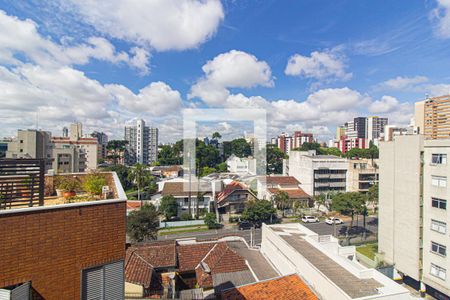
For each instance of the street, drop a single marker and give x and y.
(322, 228)
(216, 233)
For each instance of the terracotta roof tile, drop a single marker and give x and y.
(189, 256)
(137, 270)
(283, 288)
(177, 189)
(230, 188)
(282, 180)
(293, 193)
(158, 254)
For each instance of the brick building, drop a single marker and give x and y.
(65, 251)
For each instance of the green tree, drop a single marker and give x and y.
(216, 136)
(330, 151)
(168, 206)
(372, 195)
(116, 147)
(282, 201)
(320, 200)
(274, 159)
(349, 204)
(141, 177)
(142, 224)
(222, 167)
(259, 211)
(205, 171)
(123, 172)
(210, 220)
(310, 146)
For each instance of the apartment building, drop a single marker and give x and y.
(413, 215)
(52, 249)
(346, 144)
(87, 148)
(375, 128)
(432, 117)
(286, 142)
(102, 139)
(31, 143)
(317, 173)
(361, 175)
(142, 143)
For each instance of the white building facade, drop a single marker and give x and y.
(142, 143)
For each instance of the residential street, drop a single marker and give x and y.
(321, 228)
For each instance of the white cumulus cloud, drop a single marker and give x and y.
(159, 24)
(233, 69)
(441, 14)
(326, 65)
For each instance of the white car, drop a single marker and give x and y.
(310, 219)
(330, 221)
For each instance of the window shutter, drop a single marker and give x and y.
(22, 292)
(93, 284)
(114, 281)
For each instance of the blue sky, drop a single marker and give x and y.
(311, 64)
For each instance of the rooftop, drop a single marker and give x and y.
(282, 180)
(292, 193)
(23, 185)
(325, 265)
(282, 288)
(157, 254)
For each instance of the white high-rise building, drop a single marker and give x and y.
(142, 143)
(413, 215)
(375, 127)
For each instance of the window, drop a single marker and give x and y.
(438, 249)
(437, 271)
(439, 203)
(438, 226)
(104, 282)
(439, 181)
(439, 159)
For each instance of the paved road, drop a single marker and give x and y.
(322, 228)
(213, 234)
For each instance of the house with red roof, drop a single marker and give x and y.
(233, 197)
(269, 186)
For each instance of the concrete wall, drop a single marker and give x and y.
(399, 203)
(442, 215)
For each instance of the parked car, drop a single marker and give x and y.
(331, 221)
(310, 219)
(245, 225)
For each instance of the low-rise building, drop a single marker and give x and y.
(233, 197)
(239, 165)
(317, 174)
(329, 269)
(269, 186)
(361, 175)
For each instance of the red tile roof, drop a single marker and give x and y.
(189, 256)
(133, 204)
(297, 193)
(222, 259)
(283, 288)
(138, 270)
(178, 189)
(158, 254)
(230, 188)
(282, 180)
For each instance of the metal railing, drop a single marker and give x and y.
(21, 183)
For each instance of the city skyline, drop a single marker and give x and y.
(311, 68)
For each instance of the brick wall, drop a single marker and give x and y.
(51, 247)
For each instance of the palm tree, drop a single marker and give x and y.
(320, 200)
(282, 201)
(140, 176)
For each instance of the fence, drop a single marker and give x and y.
(21, 182)
(181, 223)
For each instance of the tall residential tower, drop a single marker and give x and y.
(142, 143)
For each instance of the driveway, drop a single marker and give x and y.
(323, 229)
